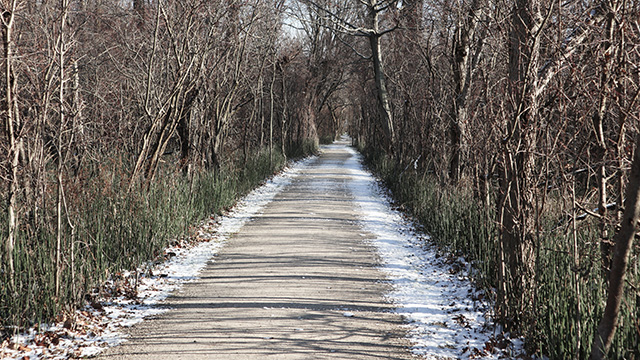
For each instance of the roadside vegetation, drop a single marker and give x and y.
(571, 289)
(124, 126)
(508, 128)
(116, 230)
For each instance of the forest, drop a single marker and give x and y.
(508, 129)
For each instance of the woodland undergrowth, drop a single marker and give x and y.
(110, 230)
(570, 287)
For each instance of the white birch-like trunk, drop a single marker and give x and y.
(12, 209)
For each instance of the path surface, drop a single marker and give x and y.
(297, 282)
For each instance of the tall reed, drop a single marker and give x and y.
(459, 223)
(109, 229)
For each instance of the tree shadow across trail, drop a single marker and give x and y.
(299, 281)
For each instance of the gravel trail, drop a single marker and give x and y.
(299, 281)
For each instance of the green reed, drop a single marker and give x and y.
(571, 291)
(108, 229)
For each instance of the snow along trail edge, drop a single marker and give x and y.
(97, 329)
(445, 323)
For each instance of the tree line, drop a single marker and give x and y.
(531, 108)
(125, 122)
(507, 127)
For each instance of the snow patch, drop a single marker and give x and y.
(444, 320)
(100, 324)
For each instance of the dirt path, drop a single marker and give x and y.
(297, 282)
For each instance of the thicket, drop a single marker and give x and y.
(571, 293)
(126, 123)
(507, 126)
(509, 129)
(115, 230)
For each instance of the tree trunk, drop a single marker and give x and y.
(462, 40)
(12, 134)
(168, 128)
(216, 150)
(283, 122)
(261, 110)
(184, 129)
(599, 119)
(381, 86)
(380, 79)
(516, 206)
(61, 130)
(271, 111)
(623, 241)
(77, 125)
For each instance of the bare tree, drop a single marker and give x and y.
(12, 128)
(373, 31)
(517, 184)
(61, 146)
(623, 241)
(461, 61)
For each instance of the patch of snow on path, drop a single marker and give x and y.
(100, 326)
(444, 322)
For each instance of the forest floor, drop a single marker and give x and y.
(316, 265)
